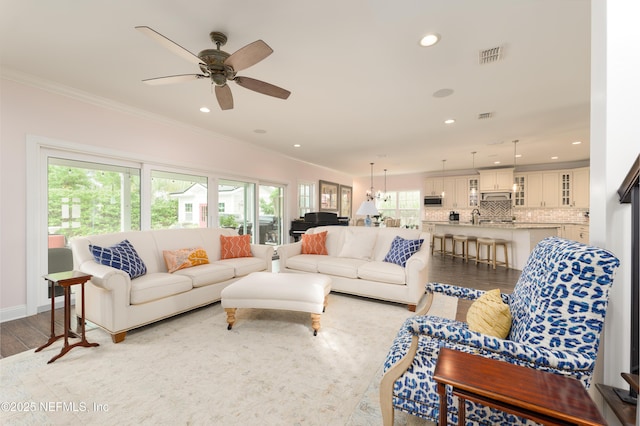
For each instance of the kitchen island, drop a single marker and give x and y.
(523, 237)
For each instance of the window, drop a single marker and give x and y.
(271, 213)
(305, 198)
(237, 201)
(87, 198)
(173, 196)
(404, 205)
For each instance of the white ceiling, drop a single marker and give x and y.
(362, 88)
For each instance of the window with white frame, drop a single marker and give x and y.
(305, 198)
(403, 205)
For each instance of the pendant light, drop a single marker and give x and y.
(370, 191)
(383, 196)
(515, 156)
(442, 195)
(473, 189)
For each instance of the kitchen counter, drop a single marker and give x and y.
(523, 236)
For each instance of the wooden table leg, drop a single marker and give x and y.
(442, 415)
(52, 337)
(461, 411)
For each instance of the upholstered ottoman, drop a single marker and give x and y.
(266, 290)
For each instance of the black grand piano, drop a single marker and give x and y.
(311, 220)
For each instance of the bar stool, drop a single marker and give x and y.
(464, 240)
(492, 244)
(443, 244)
(448, 237)
(435, 237)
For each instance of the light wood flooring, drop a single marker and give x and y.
(28, 333)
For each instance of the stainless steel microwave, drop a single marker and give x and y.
(433, 201)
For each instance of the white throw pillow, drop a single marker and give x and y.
(358, 244)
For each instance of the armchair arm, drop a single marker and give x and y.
(286, 251)
(459, 292)
(458, 336)
(265, 252)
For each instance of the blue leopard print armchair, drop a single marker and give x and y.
(558, 308)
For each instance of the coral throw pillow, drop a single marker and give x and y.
(235, 246)
(490, 315)
(314, 243)
(184, 258)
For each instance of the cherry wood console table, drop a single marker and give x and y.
(66, 280)
(541, 396)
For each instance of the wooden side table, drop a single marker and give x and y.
(66, 280)
(541, 396)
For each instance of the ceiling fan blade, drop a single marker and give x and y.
(225, 99)
(173, 79)
(262, 87)
(249, 55)
(168, 44)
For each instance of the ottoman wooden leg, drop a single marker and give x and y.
(315, 323)
(231, 317)
(326, 302)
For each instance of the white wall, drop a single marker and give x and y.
(30, 110)
(615, 144)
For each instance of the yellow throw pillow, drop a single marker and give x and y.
(184, 258)
(490, 315)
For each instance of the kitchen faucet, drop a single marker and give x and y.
(475, 216)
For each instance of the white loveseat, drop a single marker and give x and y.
(117, 303)
(355, 263)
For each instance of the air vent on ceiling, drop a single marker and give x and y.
(485, 115)
(490, 55)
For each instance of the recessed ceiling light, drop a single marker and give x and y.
(260, 131)
(518, 155)
(204, 109)
(449, 121)
(429, 40)
(554, 158)
(576, 143)
(442, 93)
(296, 145)
(496, 162)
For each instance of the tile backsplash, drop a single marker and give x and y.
(498, 210)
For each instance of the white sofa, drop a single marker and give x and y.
(117, 303)
(355, 263)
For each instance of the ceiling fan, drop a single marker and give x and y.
(219, 66)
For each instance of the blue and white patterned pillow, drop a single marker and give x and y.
(120, 256)
(401, 250)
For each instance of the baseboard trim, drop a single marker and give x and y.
(12, 313)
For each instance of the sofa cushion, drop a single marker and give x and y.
(339, 266)
(383, 272)
(358, 244)
(235, 246)
(401, 250)
(120, 256)
(211, 273)
(244, 265)
(304, 262)
(157, 286)
(184, 258)
(314, 243)
(490, 315)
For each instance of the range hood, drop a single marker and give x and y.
(496, 196)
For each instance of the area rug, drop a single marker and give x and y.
(268, 370)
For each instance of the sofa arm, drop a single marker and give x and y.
(456, 335)
(416, 274)
(106, 277)
(287, 251)
(265, 252)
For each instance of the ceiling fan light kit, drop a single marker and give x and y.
(219, 66)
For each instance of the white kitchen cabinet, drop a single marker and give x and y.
(457, 192)
(580, 190)
(576, 232)
(496, 180)
(519, 197)
(542, 189)
(433, 186)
